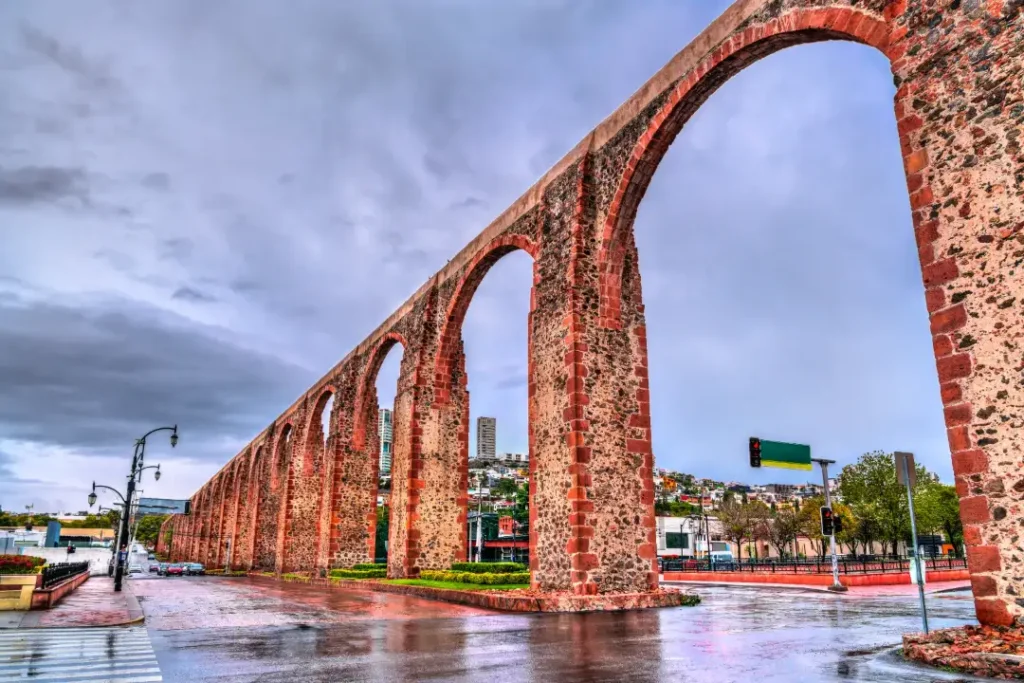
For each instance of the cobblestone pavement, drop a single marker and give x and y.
(261, 630)
(218, 602)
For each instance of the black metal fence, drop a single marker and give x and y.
(55, 573)
(847, 565)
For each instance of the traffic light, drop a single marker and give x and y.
(837, 524)
(827, 521)
(755, 451)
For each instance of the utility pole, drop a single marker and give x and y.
(479, 518)
(836, 586)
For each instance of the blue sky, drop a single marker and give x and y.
(204, 207)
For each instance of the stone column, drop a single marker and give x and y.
(960, 115)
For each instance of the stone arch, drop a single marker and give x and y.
(314, 420)
(451, 336)
(281, 459)
(256, 467)
(367, 379)
(796, 27)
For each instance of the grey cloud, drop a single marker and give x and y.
(193, 295)
(37, 184)
(93, 378)
(469, 203)
(88, 72)
(157, 181)
(177, 249)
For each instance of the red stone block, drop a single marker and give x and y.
(970, 462)
(942, 345)
(953, 367)
(951, 392)
(935, 299)
(974, 510)
(958, 414)
(992, 612)
(982, 558)
(940, 272)
(959, 439)
(983, 586)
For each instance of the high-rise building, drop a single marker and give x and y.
(486, 430)
(386, 433)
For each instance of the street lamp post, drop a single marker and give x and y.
(136, 474)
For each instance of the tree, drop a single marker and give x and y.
(505, 488)
(783, 529)
(871, 488)
(743, 522)
(937, 507)
(149, 529)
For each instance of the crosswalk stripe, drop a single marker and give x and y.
(77, 662)
(111, 655)
(72, 651)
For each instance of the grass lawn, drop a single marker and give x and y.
(455, 585)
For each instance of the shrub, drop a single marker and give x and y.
(369, 565)
(21, 564)
(480, 579)
(489, 567)
(359, 573)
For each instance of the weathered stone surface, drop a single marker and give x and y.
(959, 112)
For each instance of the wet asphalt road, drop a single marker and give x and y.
(738, 634)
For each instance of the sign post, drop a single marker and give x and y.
(906, 474)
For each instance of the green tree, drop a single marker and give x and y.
(937, 507)
(810, 523)
(871, 489)
(505, 488)
(380, 543)
(149, 529)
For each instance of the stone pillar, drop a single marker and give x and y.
(353, 494)
(960, 114)
(406, 472)
(444, 475)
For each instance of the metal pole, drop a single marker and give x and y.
(479, 520)
(913, 534)
(836, 586)
(123, 534)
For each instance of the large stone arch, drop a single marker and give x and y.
(365, 462)
(446, 448)
(796, 27)
(958, 117)
(256, 471)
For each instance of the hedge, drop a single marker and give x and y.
(482, 579)
(369, 565)
(489, 567)
(359, 573)
(21, 564)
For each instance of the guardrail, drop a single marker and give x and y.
(55, 573)
(815, 566)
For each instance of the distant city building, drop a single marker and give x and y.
(511, 459)
(386, 431)
(486, 437)
(161, 506)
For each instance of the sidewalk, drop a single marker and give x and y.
(94, 604)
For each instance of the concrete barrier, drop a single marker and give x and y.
(45, 598)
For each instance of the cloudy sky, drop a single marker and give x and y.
(203, 206)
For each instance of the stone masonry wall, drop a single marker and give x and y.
(959, 112)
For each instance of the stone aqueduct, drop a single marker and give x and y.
(291, 502)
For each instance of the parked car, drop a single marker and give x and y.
(134, 569)
(194, 569)
(175, 569)
(153, 567)
(161, 569)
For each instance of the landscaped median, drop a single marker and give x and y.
(495, 585)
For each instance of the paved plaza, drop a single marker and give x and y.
(255, 629)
